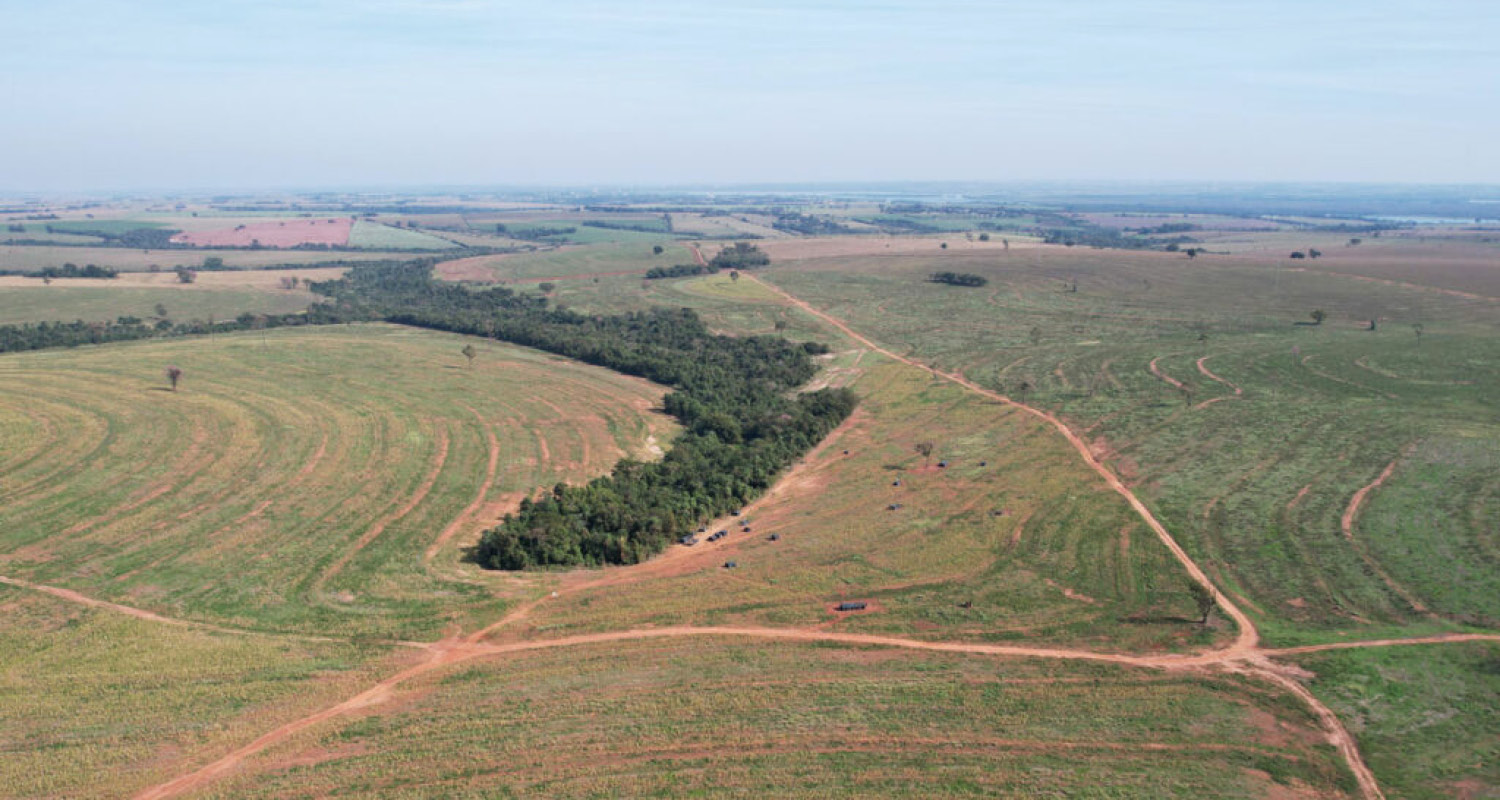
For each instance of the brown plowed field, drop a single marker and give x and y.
(286, 233)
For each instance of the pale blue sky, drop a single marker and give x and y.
(107, 94)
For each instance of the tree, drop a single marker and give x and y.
(1205, 598)
(944, 245)
(657, 249)
(1417, 329)
(1023, 389)
(734, 274)
(1355, 242)
(1318, 315)
(174, 374)
(547, 288)
(1005, 243)
(1314, 252)
(469, 353)
(1192, 252)
(185, 275)
(213, 263)
(1299, 254)
(984, 237)
(1036, 336)
(161, 311)
(924, 449)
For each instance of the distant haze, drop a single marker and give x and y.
(110, 94)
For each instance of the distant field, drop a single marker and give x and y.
(16, 257)
(564, 263)
(298, 477)
(281, 233)
(720, 717)
(375, 236)
(62, 303)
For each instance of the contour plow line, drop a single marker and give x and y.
(150, 616)
(1346, 523)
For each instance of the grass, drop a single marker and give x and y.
(94, 704)
(244, 498)
(375, 236)
(1326, 408)
(1036, 546)
(29, 258)
(1426, 719)
(61, 302)
(564, 263)
(723, 718)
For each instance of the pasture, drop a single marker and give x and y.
(309, 480)
(720, 717)
(1257, 459)
(33, 258)
(1427, 718)
(376, 236)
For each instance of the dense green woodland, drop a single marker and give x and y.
(734, 396)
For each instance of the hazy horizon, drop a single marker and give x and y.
(243, 95)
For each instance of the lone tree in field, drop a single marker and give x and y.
(186, 275)
(657, 249)
(924, 449)
(469, 353)
(547, 288)
(174, 374)
(734, 275)
(1318, 315)
(1205, 598)
(1023, 389)
(1417, 329)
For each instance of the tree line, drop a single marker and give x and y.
(743, 424)
(958, 279)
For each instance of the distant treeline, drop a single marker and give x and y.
(743, 424)
(41, 335)
(66, 271)
(740, 255)
(958, 279)
(680, 271)
(809, 225)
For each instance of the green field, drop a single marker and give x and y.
(32, 258)
(1322, 407)
(375, 236)
(580, 263)
(61, 302)
(96, 704)
(309, 492)
(725, 718)
(1427, 718)
(296, 480)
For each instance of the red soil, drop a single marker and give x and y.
(288, 233)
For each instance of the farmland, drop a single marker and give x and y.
(1027, 626)
(375, 236)
(231, 501)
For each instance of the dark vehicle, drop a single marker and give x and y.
(688, 540)
(854, 606)
(731, 564)
(775, 537)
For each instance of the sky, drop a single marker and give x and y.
(273, 94)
